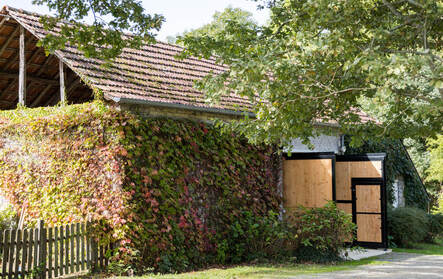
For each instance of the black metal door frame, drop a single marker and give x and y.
(361, 181)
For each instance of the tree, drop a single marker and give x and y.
(109, 33)
(218, 23)
(323, 60)
(435, 170)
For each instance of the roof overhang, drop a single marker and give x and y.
(129, 101)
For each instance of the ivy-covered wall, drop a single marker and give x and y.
(397, 164)
(168, 190)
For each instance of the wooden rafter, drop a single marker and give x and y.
(74, 85)
(45, 64)
(14, 57)
(3, 21)
(9, 87)
(33, 78)
(8, 41)
(3, 60)
(41, 95)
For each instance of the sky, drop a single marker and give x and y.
(180, 15)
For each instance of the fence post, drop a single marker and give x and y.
(42, 250)
(94, 255)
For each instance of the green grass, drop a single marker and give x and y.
(424, 248)
(263, 271)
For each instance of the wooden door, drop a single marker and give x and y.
(368, 211)
(308, 180)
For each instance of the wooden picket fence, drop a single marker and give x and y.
(50, 252)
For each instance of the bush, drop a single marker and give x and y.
(314, 235)
(321, 233)
(435, 227)
(407, 226)
(8, 218)
(253, 237)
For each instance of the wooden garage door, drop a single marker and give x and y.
(308, 181)
(368, 209)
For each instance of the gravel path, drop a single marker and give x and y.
(400, 266)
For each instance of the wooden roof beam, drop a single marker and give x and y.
(3, 60)
(14, 57)
(10, 75)
(8, 41)
(9, 87)
(41, 95)
(3, 21)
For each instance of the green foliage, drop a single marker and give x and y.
(322, 60)
(440, 204)
(169, 191)
(8, 218)
(219, 23)
(407, 226)
(321, 232)
(435, 171)
(104, 39)
(254, 237)
(313, 235)
(190, 184)
(435, 227)
(397, 164)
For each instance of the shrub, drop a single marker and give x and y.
(321, 233)
(435, 227)
(407, 226)
(254, 237)
(314, 235)
(8, 218)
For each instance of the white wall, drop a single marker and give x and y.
(322, 143)
(398, 192)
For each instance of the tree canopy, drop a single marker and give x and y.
(218, 23)
(116, 24)
(323, 60)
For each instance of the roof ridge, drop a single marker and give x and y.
(7, 8)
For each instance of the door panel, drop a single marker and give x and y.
(368, 209)
(369, 228)
(368, 198)
(307, 182)
(346, 207)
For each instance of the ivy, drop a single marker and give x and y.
(397, 164)
(166, 190)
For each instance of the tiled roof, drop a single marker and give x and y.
(151, 73)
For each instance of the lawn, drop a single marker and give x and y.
(424, 248)
(263, 271)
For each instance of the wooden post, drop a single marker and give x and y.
(49, 252)
(62, 82)
(42, 250)
(56, 261)
(67, 263)
(5, 255)
(22, 69)
(61, 257)
(19, 246)
(24, 253)
(94, 255)
(11, 253)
